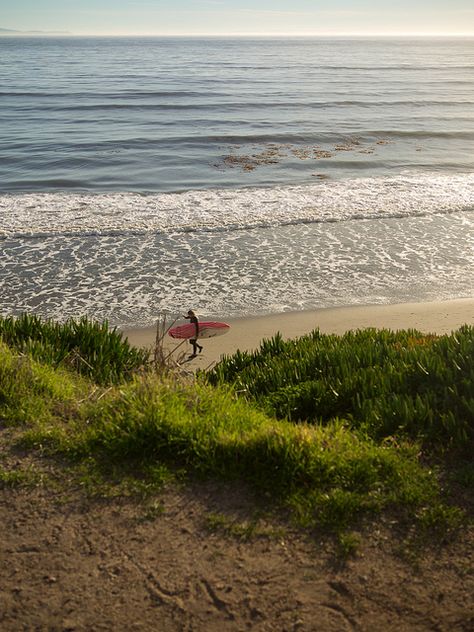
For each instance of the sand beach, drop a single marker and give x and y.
(439, 317)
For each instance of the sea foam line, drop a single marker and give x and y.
(68, 213)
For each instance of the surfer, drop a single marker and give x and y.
(194, 320)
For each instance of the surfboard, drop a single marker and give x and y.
(207, 329)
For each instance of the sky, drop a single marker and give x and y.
(240, 17)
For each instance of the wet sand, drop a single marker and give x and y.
(438, 317)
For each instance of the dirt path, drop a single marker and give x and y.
(78, 564)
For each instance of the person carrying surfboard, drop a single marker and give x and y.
(195, 321)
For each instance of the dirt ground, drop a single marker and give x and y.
(70, 562)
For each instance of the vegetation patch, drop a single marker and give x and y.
(90, 348)
(102, 478)
(383, 383)
(327, 475)
(34, 391)
(18, 478)
(243, 530)
(348, 457)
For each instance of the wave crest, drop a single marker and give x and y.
(405, 195)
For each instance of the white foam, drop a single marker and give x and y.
(68, 213)
(128, 279)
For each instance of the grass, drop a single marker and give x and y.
(327, 476)
(18, 478)
(348, 544)
(100, 478)
(243, 530)
(31, 390)
(349, 463)
(463, 474)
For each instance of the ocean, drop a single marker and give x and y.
(234, 176)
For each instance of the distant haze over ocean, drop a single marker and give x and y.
(15, 32)
(235, 175)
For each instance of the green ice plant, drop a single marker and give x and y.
(385, 383)
(91, 348)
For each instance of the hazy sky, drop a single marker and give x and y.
(218, 17)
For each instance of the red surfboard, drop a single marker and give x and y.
(207, 329)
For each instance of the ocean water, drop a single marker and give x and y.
(234, 176)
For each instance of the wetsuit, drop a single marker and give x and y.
(194, 320)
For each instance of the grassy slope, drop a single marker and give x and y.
(328, 473)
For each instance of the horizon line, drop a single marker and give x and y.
(15, 33)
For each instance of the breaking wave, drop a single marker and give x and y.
(72, 213)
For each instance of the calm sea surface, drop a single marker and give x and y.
(235, 176)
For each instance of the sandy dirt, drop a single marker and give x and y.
(70, 562)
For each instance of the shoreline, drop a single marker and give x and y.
(246, 333)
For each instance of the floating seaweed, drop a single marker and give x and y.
(274, 153)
